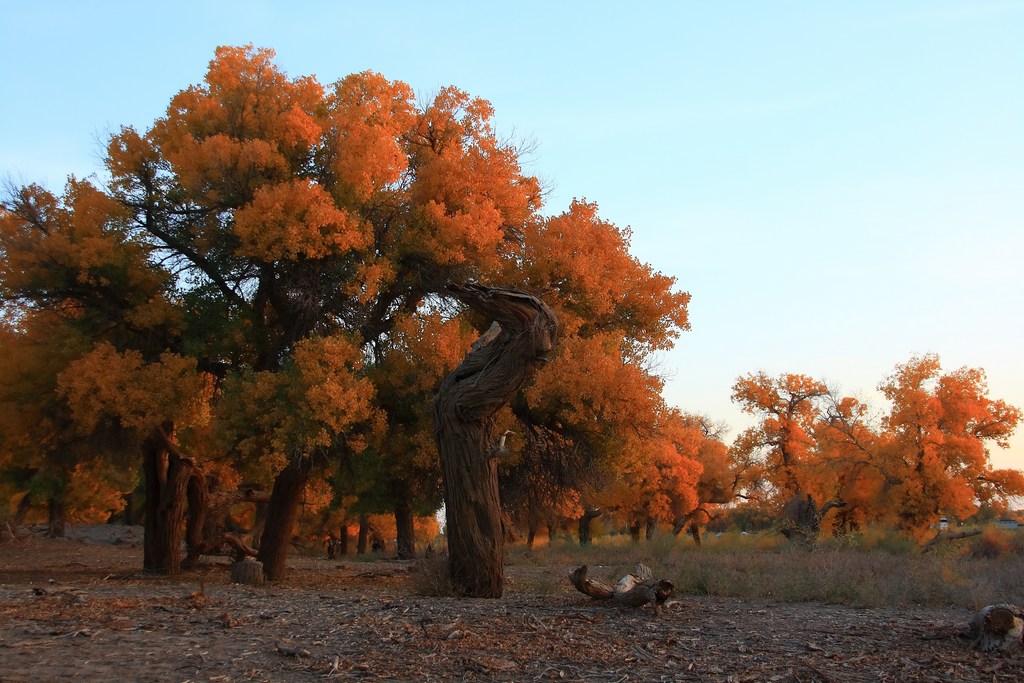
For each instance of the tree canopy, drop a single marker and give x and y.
(260, 281)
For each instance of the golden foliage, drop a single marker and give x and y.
(296, 219)
(106, 383)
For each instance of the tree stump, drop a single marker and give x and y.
(249, 572)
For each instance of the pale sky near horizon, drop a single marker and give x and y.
(839, 186)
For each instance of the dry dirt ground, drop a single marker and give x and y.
(82, 608)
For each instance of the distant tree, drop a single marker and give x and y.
(938, 434)
(927, 457)
(783, 440)
(722, 481)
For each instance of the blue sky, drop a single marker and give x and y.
(838, 185)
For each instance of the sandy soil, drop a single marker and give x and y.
(82, 608)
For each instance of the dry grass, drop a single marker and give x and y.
(869, 570)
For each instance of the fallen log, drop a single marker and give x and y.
(998, 627)
(632, 590)
(941, 537)
(595, 589)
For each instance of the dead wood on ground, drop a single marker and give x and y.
(632, 590)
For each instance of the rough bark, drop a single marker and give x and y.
(691, 521)
(282, 512)
(523, 334)
(942, 537)
(167, 475)
(343, 541)
(998, 628)
(198, 496)
(129, 508)
(595, 588)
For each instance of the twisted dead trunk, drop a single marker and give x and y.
(507, 355)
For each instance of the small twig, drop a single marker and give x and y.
(290, 650)
(644, 654)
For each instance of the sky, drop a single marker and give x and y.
(839, 186)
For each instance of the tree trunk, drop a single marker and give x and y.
(129, 508)
(507, 355)
(198, 497)
(283, 509)
(695, 532)
(364, 533)
(167, 475)
(343, 541)
(57, 522)
(589, 514)
(23, 507)
(531, 534)
(651, 527)
(634, 531)
(404, 521)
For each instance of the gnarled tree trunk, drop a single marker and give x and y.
(803, 518)
(282, 511)
(167, 475)
(523, 334)
(632, 590)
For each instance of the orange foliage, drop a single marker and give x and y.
(582, 267)
(926, 458)
(367, 117)
(937, 432)
(104, 383)
(468, 188)
(317, 400)
(296, 219)
(784, 439)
